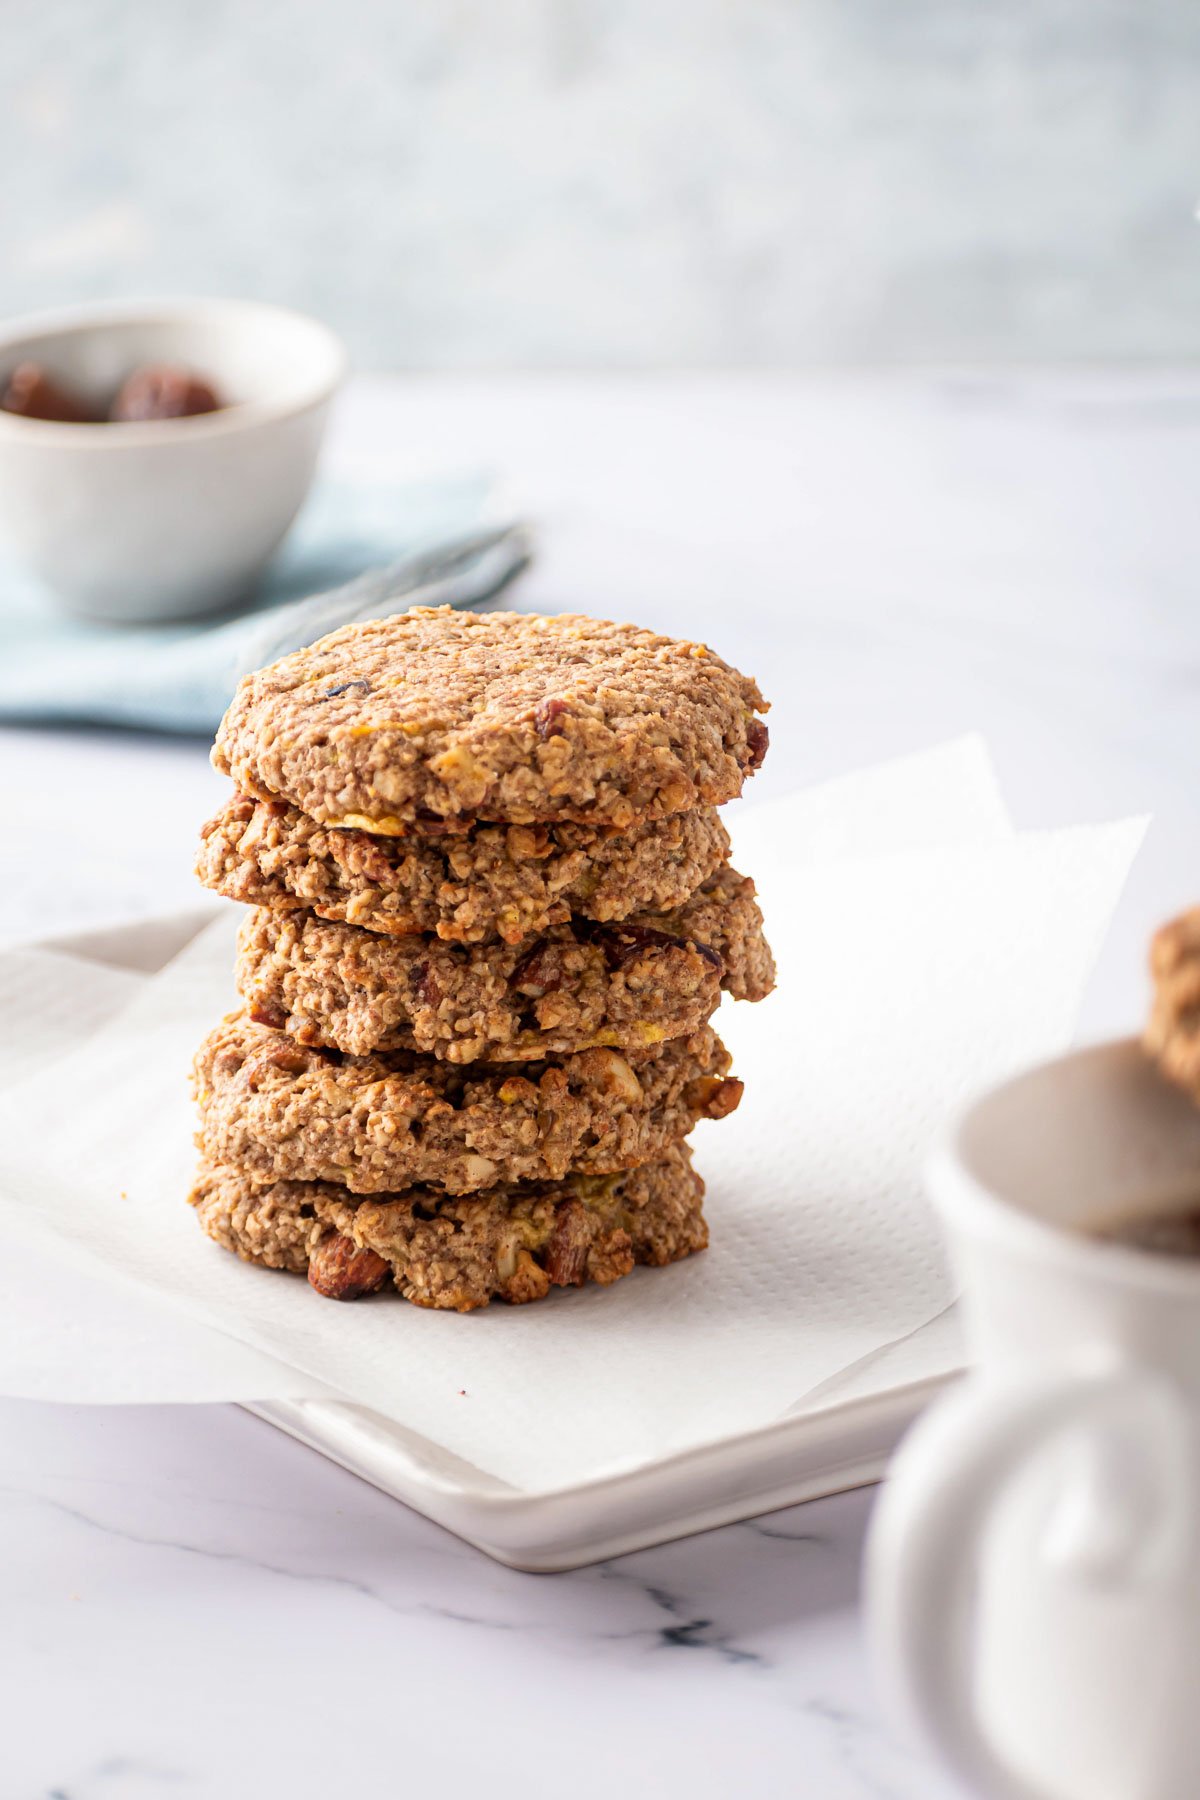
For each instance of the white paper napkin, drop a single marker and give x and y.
(65, 1332)
(907, 980)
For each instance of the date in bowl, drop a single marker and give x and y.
(163, 518)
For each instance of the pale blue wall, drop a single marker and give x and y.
(523, 182)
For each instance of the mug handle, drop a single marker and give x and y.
(948, 1474)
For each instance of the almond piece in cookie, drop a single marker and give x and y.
(341, 1271)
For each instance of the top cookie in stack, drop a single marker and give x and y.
(477, 839)
(436, 719)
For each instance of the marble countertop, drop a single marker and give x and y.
(193, 1603)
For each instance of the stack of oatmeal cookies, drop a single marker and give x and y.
(492, 916)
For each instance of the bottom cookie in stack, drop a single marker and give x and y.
(511, 1242)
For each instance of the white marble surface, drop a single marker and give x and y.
(191, 1603)
(195, 1605)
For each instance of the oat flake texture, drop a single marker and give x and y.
(470, 887)
(278, 1110)
(626, 985)
(512, 1243)
(442, 715)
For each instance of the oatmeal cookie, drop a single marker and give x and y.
(649, 978)
(279, 1110)
(1173, 1032)
(436, 715)
(494, 881)
(512, 1243)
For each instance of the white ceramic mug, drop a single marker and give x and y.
(1034, 1569)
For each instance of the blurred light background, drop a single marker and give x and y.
(608, 183)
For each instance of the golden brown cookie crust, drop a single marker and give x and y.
(437, 715)
(512, 1243)
(493, 881)
(278, 1110)
(575, 986)
(1172, 1034)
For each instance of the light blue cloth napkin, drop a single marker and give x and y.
(356, 553)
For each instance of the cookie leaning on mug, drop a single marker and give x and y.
(1172, 1035)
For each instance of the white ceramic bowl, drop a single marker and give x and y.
(175, 517)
